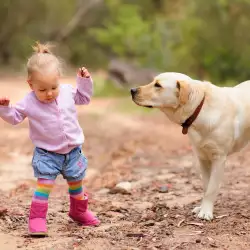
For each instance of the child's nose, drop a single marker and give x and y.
(49, 93)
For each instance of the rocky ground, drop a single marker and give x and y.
(158, 185)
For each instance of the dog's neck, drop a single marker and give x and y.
(193, 117)
(182, 112)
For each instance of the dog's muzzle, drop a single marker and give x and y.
(133, 92)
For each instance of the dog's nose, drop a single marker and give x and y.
(133, 91)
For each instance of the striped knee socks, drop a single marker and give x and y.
(45, 186)
(43, 190)
(76, 190)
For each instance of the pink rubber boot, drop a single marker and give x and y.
(79, 212)
(37, 219)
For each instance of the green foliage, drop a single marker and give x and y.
(130, 36)
(205, 39)
(24, 22)
(211, 43)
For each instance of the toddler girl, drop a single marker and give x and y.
(56, 134)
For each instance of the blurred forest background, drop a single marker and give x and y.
(204, 39)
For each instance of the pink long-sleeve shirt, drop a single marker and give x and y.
(53, 126)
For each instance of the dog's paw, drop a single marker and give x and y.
(205, 214)
(205, 211)
(196, 210)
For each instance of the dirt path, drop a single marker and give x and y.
(142, 149)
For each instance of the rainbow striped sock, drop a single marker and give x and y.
(43, 190)
(76, 190)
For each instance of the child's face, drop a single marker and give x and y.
(45, 86)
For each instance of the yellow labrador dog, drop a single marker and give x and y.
(216, 119)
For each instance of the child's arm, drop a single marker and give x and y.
(84, 89)
(10, 114)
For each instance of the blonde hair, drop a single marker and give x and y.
(42, 59)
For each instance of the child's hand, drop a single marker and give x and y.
(5, 101)
(83, 72)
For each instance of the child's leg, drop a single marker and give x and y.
(76, 190)
(47, 166)
(39, 207)
(74, 172)
(43, 189)
(79, 205)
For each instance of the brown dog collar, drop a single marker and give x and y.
(192, 118)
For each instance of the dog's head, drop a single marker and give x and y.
(167, 90)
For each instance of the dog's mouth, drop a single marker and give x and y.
(145, 106)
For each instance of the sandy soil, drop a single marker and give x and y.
(143, 149)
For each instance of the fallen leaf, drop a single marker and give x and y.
(179, 224)
(222, 216)
(210, 239)
(195, 224)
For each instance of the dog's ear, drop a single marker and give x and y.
(183, 91)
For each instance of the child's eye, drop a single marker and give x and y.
(54, 88)
(42, 90)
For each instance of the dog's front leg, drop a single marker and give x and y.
(205, 170)
(207, 205)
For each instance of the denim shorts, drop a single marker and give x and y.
(49, 165)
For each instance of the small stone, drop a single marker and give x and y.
(123, 188)
(117, 206)
(198, 241)
(163, 189)
(164, 177)
(149, 215)
(114, 215)
(103, 191)
(213, 245)
(149, 223)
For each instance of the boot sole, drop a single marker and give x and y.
(87, 224)
(38, 234)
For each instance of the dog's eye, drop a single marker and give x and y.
(158, 85)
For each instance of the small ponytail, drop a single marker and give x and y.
(43, 59)
(42, 48)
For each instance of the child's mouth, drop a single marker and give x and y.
(50, 100)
